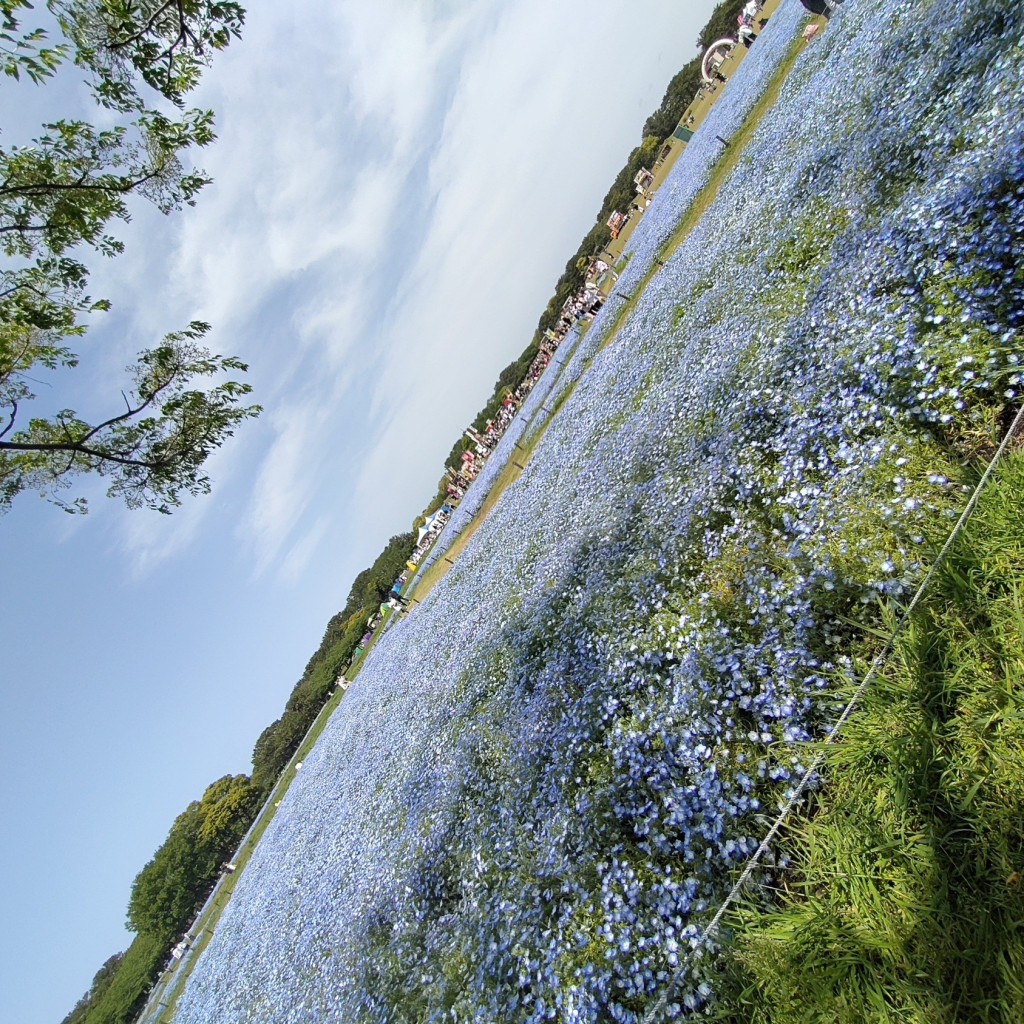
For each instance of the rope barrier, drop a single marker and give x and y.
(883, 656)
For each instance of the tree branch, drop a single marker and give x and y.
(6, 372)
(10, 423)
(126, 415)
(45, 187)
(23, 228)
(27, 287)
(141, 34)
(81, 449)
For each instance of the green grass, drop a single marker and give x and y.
(904, 899)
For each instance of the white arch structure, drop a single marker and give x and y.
(722, 46)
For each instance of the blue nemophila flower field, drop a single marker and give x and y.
(543, 780)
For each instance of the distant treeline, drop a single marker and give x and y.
(656, 131)
(172, 887)
(344, 630)
(170, 890)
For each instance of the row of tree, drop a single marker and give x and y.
(344, 630)
(167, 894)
(170, 890)
(656, 131)
(172, 887)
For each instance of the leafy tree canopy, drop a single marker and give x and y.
(721, 23)
(119, 991)
(59, 196)
(172, 886)
(678, 96)
(101, 982)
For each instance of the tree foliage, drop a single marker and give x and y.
(678, 96)
(153, 450)
(721, 23)
(372, 585)
(59, 196)
(25, 53)
(101, 982)
(170, 889)
(275, 746)
(166, 43)
(123, 992)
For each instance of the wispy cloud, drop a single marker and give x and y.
(150, 540)
(298, 557)
(356, 239)
(285, 483)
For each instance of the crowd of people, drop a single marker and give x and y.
(486, 440)
(746, 19)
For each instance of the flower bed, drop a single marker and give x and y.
(543, 780)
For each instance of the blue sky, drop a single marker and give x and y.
(397, 187)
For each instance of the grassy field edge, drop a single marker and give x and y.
(902, 897)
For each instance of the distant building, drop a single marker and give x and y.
(616, 222)
(643, 181)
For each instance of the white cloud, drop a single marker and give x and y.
(531, 139)
(295, 562)
(395, 52)
(333, 323)
(285, 483)
(381, 233)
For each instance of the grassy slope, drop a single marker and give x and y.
(905, 901)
